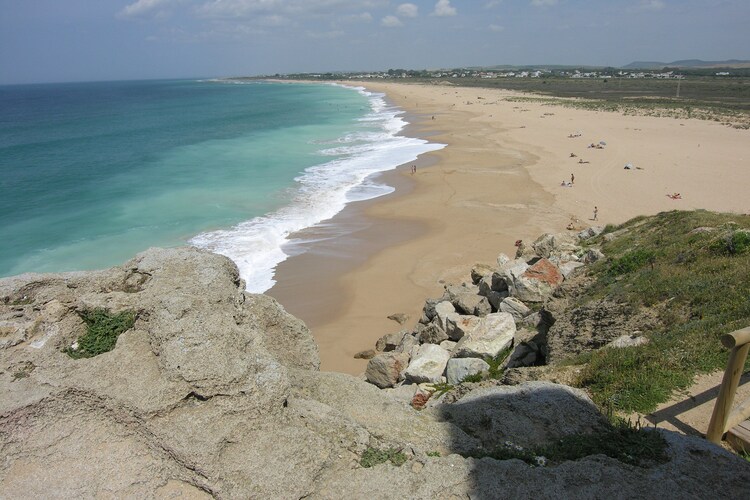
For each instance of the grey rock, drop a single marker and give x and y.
(442, 310)
(390, 341)
(430, 334)
(479, 271)
(627, 341)
(384, 369)
(427, 365)
(549, 245)
(570, 268)
(448, 345)
(590, 232)
(407, 343)
(593, 255)
(491, 335)
(460, 368)
(452, 292)
(502, 259)
(471, 303)
(367, 354)
(515, 308)
(533, 413)
(459, 325)
(399, 318)
(428, 310)
(536, 283)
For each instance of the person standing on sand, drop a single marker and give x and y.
(572, 179)
(596, 213)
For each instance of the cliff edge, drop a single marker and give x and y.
(215, 392)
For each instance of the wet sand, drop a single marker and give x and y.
(498, 180)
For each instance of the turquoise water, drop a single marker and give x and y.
(93, 173)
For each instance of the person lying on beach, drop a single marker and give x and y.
(573, 155)
(675, 196)
(581, 161)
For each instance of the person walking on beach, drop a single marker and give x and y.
(596, 213)
(572, 179)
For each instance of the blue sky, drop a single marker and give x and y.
(82, 40)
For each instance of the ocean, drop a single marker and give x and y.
(93, 173)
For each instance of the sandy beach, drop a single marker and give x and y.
(497, 181)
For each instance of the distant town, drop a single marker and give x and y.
(493, 73)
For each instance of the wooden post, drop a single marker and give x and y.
(729, 384)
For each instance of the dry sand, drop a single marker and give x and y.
(498, 180)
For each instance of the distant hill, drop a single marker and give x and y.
(689, 63)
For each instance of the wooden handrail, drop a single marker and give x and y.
(723, 417)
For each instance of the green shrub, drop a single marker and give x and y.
(496, 364)
(631, 261)
(476, 377)
(102, 330)
(732, 243)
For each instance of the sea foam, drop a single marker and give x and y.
(321, 191)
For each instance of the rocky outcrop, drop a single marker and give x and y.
(216, 393)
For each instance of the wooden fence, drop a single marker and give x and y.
(724, 417)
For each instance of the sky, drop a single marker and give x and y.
(91, 40)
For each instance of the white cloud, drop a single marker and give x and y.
(326, 35)
(364, 17)
(493, 3)
(496, 28)
(543, 3)
(651, 5)
(391, 22)
(141, 8)
(443, 9)
(407, 10)
(247, 8)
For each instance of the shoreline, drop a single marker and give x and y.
(498, 180)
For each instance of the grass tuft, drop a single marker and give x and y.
(372, 457)
(102, 330)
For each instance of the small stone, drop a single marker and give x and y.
(367, 354)
(399, 318)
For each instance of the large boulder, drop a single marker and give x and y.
(533, 413)
(460, 368)
(384, 369)
(491, 335)
(459, 325)
(427, 365)
(472, 303)
(535, 283)
(551, 245)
